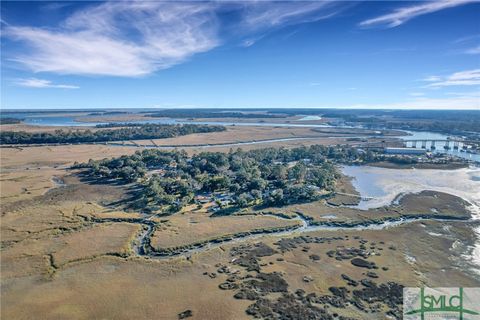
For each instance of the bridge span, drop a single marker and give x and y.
(435, 143)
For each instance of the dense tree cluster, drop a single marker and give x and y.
(145, 131)
(169, 180)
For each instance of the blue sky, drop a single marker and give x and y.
(390, 54)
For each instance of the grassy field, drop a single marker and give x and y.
(196, 227)
(112, 288)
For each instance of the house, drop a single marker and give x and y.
(225, 202)
(160, 172)
(405, 151)
(202, 199)
(224, 196)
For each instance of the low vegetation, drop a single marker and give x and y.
(170, 180)
(138, 132)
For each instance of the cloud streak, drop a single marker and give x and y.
(404, 14)
(263, 14)
(474, 50)
(463, 78)
(463, 102)
(42, 83)
(133, 39)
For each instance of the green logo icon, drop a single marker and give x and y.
(441, 303)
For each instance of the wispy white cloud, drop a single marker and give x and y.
(463, 78)
(474, 50)
(42, 83)
(416, 94)
(432, 79)
(4, 22)
(262, 14)
(469, 44)
(52, 6)
(119, 39)
(137, 38)
(403, 14)
(466, 101)
(471, 94)
(466, 39)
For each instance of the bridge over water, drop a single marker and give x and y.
(436, 143)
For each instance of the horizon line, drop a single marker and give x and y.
(237, 108)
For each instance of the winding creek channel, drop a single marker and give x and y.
(143, 247)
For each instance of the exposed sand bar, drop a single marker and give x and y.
(384, 185)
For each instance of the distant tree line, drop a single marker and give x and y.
(459, 127)
(10, 120)
(169, 180)
(106, 113)
(444, 121)
(380, 113)
(118, 125)
(211, 113)
(146, 131)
